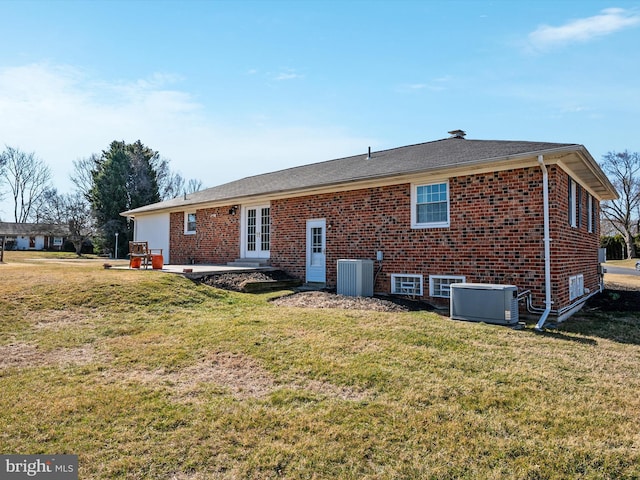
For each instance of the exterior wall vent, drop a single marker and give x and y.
(355, 278)
(484, 302)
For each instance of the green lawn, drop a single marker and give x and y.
(148, 375)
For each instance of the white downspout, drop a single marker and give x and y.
(547, 246)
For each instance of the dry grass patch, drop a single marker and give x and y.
(24, 355)
(237, 374)
(225, 373)
(622, 282)
(62, 319)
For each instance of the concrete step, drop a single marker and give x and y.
(250, 262)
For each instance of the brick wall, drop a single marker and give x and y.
(217, 237)
(495, 235)
(574, 250)
(181, 246)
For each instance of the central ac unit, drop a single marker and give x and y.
(484, 302)
(355, 278)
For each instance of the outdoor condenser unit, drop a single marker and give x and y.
(484, 302)
(355, 278)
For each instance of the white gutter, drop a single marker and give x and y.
(547, 246)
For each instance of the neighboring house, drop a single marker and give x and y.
(452, 210)
(33, 236)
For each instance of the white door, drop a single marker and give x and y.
(257, 232)
(316, 255)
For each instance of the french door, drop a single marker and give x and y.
(257, 231)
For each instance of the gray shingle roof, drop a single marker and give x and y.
(33, 229)
(423, 157)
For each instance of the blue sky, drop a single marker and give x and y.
(227, 89)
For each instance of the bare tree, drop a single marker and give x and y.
(193, 186)
(172, 184)
(3, 162)
(623, 170)
(82, 175)
(80, 219)
(73, 210)
(606, 227)
(27, 177)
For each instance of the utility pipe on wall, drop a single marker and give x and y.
(547, 246)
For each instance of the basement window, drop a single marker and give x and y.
(190, 223)
(576, 286)
(406, 284)
(440, 285)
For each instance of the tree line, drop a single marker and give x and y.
(123, 177)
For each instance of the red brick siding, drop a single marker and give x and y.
(495, 235)
(217, 237)
(573, 249)
(181, 246)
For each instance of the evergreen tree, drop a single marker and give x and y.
(110, 195)
(143, 180)
(124, 177)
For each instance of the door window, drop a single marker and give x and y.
(265, 229)
(251, 229)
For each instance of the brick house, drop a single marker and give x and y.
(431, 214)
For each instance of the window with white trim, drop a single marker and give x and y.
(190, 222)
(573, 203)
(430, 205)
(576, 286)
(439, 285)
(406, 284)
(57, 241)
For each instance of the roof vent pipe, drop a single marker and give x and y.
(369, 154)
(457, 133)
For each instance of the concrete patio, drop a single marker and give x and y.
(198, 270)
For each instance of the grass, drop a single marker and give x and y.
(148, 375)
(624, 263)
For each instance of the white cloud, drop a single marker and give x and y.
(62, 113)
(288, 74)
(435, 85)
(607, 22)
